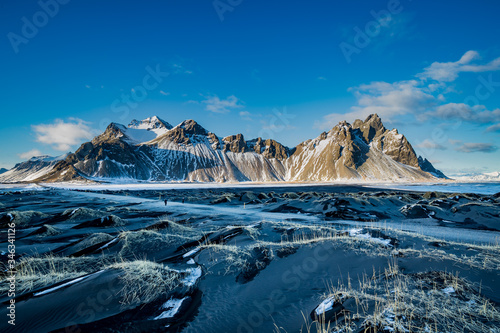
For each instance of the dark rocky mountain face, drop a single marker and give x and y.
(426, 166)
(154, 150)
(390, 142)
(3, 170)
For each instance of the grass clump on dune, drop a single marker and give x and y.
(421, 302)
(144, 281)
(41, 271)
(140, 243)
(92, 240)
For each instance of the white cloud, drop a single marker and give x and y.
(449, 71)
(30, 154)
(164, 93)
(62, 135)
(322, 78)
(217, 105)
(386, 99)
(428, 144)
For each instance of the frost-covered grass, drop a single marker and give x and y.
(234, 258)
(49, 231)
(41, 271)
(144, 281)
(423, 302)
(22, 218)
(92, 240)
(487, 256)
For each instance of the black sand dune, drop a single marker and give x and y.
(317, 258)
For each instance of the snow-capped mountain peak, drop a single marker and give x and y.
(154, 123)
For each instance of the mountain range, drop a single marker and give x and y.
(478, 177)
(154, 150)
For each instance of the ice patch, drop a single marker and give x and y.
(190, 253)
(356, 232)
(47, 291)
(448, 290)
(191, 261)
(108, 244)
(325, 306)
(171, 306)
(194, 275)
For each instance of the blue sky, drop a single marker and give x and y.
(282, 69)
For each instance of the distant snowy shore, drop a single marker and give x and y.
(445, 186)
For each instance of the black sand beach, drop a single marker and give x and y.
(290, 259)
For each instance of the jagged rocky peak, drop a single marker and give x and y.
(371, 127)
(270, 148)
(113, 132)
(235, 143)
(341, 131)
(186, 133)
(398, 148)
(150, 123)
(192, 127)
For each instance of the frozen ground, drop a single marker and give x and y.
(251, 259)
(444, 186)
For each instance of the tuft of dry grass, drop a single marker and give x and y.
(144, 281)
(422, 302)
(41, 271)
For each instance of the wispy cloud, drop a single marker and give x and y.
(164, 93)
(449, 71)
(217, 105)
(428, 144)
(30, 154)
(470, 147)
(180, 69)
(246, 115)
(494, 128)
(63, 134)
